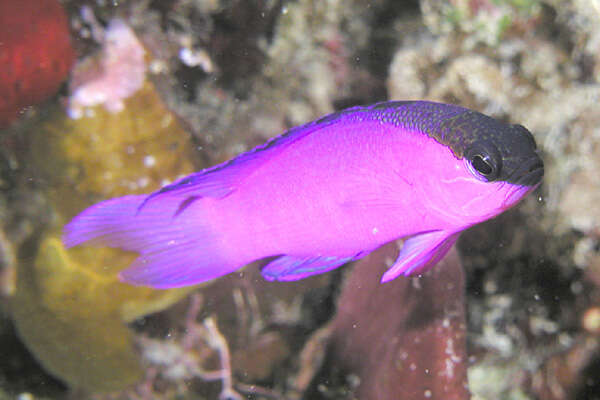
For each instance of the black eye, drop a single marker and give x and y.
(484, 160)
(482, 165)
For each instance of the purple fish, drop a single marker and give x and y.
(324, 194)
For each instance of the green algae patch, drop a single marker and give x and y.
(69, 308)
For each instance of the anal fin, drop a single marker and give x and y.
(420, 253)
(289, 268)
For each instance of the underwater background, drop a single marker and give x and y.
(105, 98)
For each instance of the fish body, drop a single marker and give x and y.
(324, 194)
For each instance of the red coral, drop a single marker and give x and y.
(35, 53)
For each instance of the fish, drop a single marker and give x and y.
(324, 194)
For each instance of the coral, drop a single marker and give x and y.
(551, 87)
(75, 295)
(484, 21)
(176, 360)
(580, 199)
(83, 340)
(560, 377)
(104, 154)
(7, 267)
(257, 317)
(108, 155)
(404, 338)
(111, 76)
(311, 46)
(497, 378)
(274, 65)
(36, 54)
(256, 68)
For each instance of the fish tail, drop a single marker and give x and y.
(176, 247)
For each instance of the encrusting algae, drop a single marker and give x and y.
(75, 295)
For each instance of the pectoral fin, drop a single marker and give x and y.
(289, 268)
(420, 253)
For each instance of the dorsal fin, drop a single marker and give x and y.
(220, 180)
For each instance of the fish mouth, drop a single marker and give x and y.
(531, 172)
(530, 175)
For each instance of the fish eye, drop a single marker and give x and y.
(484, 161)
(482, 165)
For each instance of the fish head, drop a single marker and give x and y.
(490, 167)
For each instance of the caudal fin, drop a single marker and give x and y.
(176, 247)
